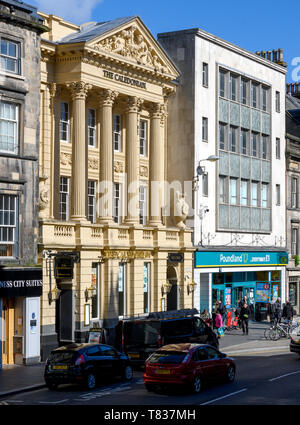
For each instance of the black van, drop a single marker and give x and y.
(139, 337)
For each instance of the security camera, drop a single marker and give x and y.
(206, 210)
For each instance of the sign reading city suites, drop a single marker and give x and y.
(240, 259)
(21, 282)
(122, 79)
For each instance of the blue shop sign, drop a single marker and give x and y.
(240, 259)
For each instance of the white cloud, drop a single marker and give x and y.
(76, 11)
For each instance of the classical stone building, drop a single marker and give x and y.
(104, 109)
(292, 103)
(228, 118)
(20, 279)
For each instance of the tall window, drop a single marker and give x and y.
(233, 191)
(92, 201)
(294, 191)
(9, 123)
(244, 91)
(244, 192)
(64, 198)
(64, 122)
(277, 101)
(143, 137)
(10, 56)
(117, 203)
(8, 225)
(222, 189)
(205, 129)
(117, 133)
(143, 204)
(92, 128)
(264, 146)
(254, 95)
(294, 241)
(146, 287)
(278, 194)
(277, 148)
(205, 74)
(205, 184)
(222, 86)
(121, 289)
(264, 92)
(222, 136)
(254, 194)
(233, 87)
(264, 195)
(244, 142)
(232, 139)
(254, 144)
(96, 296)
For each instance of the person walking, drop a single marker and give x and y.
(222, 310)
(271, 311)
(244, 315)
(287, 312)
(219, 325)
(278, 310)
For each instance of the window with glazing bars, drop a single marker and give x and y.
(92, 201)
(117, 203)
(117, 133)
(10, 56)
(8, 223)
(64, 198)
(143, 137)
(92, 127)
(9, 123)
(64, 122)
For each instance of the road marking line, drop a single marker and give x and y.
(283, 376)
(53, 402)
(225, 396)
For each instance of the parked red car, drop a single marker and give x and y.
(187, 364)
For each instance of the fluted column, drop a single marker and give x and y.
(106, 99)
(156, 174)
(78, 184)
(132, 159)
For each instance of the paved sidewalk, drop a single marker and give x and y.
(18, 378)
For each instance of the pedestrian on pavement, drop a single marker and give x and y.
(287, 312)
(219, 325)
(245, 318)
(271, 311)
(278, 310)
(222, 310)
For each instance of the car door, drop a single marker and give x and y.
(109, 360)
(95, 360)
(201, 363)
(216, 363)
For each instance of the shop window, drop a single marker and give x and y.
(95, 297)
(275, 276)
(293, 293)
(8, 225)
(261, 276)
(218, 278)
(228, 277)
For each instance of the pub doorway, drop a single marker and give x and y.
(172, 296)
(8, 317)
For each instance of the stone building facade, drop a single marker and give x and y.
(20, 279)
(292, 193)
(104, 118)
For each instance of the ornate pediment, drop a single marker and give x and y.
(133, 45)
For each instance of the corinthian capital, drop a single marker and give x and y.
(107, 97)
(134, 104)
(79, 89)
(156, 110)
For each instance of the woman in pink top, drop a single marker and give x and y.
(219, 321)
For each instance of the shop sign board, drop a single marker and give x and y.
(175, 257)
(64, 267)
(240, 259)
(16, 282)
(262, 292)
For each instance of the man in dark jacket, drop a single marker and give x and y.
(287, 312)
(244, 315)
(278, 311)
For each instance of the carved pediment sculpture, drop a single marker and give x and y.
(131, 44)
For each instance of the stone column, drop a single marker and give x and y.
(106, 99)
(132, 160)
(156, 174)
(78, 184)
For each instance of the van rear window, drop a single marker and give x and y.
(170, 357)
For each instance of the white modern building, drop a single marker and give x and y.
(230, 106)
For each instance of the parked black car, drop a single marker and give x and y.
(85, 364)
(139, 337)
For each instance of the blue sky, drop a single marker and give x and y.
(255, 25)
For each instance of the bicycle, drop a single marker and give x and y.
(280, 330)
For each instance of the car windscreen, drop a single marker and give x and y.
(63, 356)
(141, 333)
(174, 357)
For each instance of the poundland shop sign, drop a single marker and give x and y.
(231, 259)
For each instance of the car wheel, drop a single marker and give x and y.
(197, 384)
(231, 374)
(127, 373)
(150, 387)
(51, 386)
(91, 381)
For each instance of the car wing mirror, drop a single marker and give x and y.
(222, 355)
